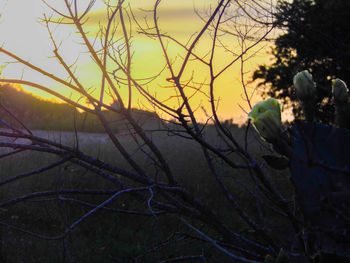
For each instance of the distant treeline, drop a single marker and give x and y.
(39, 114)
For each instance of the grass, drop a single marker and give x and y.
(115, 237)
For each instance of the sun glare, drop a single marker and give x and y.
(24, 34)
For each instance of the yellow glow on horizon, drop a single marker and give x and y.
(23, 35)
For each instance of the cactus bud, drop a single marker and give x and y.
(266, 119)
(339, 90)
(269, 259)
(282, 257)
(341, 102)
(304, 85)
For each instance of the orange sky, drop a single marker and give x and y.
(21, 34)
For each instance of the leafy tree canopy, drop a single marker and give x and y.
(316, 37)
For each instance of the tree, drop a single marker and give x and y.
(315, 36)
(237, 220)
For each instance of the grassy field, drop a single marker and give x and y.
(116, 237)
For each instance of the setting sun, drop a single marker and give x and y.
(25, 34)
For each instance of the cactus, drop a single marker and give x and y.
(319, 159)
(269, 259)
(305, 89)
(266, 119)
(304, 85)
(341, 103)
(282, 257)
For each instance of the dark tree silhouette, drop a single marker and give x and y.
(316, 36)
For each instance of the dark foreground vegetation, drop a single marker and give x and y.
(115, 234)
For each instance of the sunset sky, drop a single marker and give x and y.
(22, 34)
